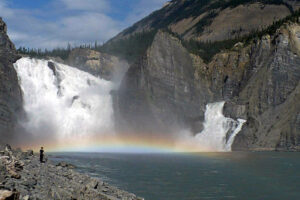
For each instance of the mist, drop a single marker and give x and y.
(65, 107)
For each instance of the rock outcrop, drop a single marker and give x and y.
(99, 64)
(159, 90)
(272, 94)
(49, 182)
(10, 92)
(259, 81)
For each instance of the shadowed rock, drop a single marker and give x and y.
(10, 92)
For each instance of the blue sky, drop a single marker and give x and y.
(54, 23)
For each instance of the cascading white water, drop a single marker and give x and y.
(219, 131)
(63, 101)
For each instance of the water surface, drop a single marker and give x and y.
(247, 176)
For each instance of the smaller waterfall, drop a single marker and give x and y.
(219, 131)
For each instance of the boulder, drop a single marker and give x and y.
(9, 195)
(26, 197)
(65, 165)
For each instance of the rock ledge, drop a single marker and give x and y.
(22, 176)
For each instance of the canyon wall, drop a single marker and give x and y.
(10, 92)
(169, 87)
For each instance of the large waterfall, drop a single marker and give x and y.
(63, 101)
(219, 131)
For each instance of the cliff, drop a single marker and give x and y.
(99, 64)
(169, 88)
(159, 90)
(10, 92)
(206, 26)
(272, 94)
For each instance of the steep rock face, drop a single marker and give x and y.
(260, 83)
(10, 93)
(159, 90)
(96, 63)
(272, 94)
(213, 20)
(170, 87)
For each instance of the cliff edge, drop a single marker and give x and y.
(10, 92)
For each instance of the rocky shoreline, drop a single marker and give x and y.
(23, 177)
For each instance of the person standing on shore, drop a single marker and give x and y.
(42, 155)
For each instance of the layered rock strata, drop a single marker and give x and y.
(169, 88)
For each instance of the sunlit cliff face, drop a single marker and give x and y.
(70, 110)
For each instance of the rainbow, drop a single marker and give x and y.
(124, 143)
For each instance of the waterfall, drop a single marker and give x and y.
(63, 101)
(219, 131)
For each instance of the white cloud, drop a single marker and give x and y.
(28, 28)
(88, 5)
(64, 21)
(78, 29)
(88, 26)
(144, 8)
(17, 36)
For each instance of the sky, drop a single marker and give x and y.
(55, 23)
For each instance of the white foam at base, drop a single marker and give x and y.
(219, 131)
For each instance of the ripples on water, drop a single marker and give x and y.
(247, 176)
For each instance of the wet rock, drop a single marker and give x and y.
(51, 65)
(235, 111)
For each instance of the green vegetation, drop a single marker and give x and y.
(130, 48)
(134, 46)
(63, 53)
(193, 8)
(206, 50)
(271, 30)
(234, 3)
